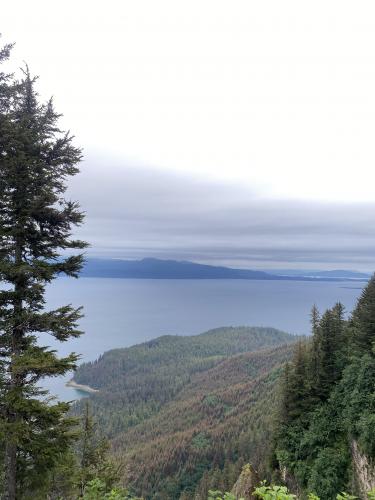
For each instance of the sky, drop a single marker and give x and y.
(237, 133)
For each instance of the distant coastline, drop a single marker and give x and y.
(81, 387)
(151, 268)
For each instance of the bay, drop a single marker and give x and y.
(124, 312)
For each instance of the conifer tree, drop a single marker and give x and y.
(286, 396)
(326, 359)
(297, 388)
(341, 338)
(93, 462)
(362, 324)
(314, 318)
(314, 359)
(331, 338)
(36, 160)
(327, 374)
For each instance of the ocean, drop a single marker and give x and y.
(124, 312)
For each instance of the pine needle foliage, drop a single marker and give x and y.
(36, 223)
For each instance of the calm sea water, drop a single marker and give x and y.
(123, 312)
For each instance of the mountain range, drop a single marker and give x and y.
(150, 268)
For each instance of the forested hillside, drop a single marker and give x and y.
(325, 441)
(201, 439)
(185, 413)
(136, 382)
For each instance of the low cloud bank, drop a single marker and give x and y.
(139, 212)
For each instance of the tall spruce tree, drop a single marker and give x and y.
(36, 160)
(327, 372)
(297, 386)
(92, 455)
(362, 323)
(314, 359)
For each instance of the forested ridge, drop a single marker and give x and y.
(201, 440)
(135, 382)
(185, 413)
(176, 349)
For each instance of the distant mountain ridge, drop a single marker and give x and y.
(309, 273)
(150, 268)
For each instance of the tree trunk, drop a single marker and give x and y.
(10, 470)
(10, 481)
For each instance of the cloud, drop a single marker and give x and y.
(274, 94)
(137, 212)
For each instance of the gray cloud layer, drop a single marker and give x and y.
(138, 212)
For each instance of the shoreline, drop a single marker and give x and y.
(81, 387)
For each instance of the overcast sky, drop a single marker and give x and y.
(234, 132)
